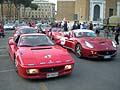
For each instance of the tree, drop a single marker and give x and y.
(25, 3)
(34, 6)
(1, 3)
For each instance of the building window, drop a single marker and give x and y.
(110, 12)
(118, 8)
(96, 13)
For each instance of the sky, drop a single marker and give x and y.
(54, 1)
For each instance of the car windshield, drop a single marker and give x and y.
(27, 30)
(9, 24)
(35, 40)
(85, 34)
(45, 26)
(21, 24)
(56, 29)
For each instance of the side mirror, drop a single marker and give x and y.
(11, 42)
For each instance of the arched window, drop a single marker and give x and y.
(96, 13)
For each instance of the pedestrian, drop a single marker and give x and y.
(106, 31)
(117, 33)
(65, 27)
(97, 29)
(90, 25)
(69, 25)
(2, 34)
(75, 26)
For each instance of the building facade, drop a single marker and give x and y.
(88, 10)
(45, 10)
(65, 9)
(8, 11)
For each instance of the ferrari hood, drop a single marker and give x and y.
(99, 43)
(44, 55)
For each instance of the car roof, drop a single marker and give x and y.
(25, 27)
(33, 34)
(82, 30)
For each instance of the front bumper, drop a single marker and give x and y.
(44, 71)
(106, 54)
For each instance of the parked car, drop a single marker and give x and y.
(53, 32)
(36, 56)
(84, 43)
(45, 27)
(24, 30)
(9, 26)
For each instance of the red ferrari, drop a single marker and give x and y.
(85, 44)
(36, 56)
(24, 30)
(53, 32)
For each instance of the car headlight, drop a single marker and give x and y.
(67, 67)
(114, 45)
(88, 44)
(32, 71)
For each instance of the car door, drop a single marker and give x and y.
(13, 46)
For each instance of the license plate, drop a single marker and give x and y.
(107, 57)
(50, 75)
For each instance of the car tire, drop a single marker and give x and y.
(15, 65)
(78, 50)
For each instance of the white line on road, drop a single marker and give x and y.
(4, 71)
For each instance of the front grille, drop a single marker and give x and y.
(52, 69)
(106, 52)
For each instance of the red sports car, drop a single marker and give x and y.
(24, 30)
(85, 44)
(53, 32)
(36, 56)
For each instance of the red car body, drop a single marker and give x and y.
(39, 61)
(89, 46)
(54, 32)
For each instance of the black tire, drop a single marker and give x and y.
(78, 50)
(15, 65)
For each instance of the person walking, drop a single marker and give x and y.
(65, 26)
(117, 33)
(97, 29)
(1, 31)
(75, 26)
(90, 26)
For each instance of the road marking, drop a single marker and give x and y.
(4, 71)
(43, 86)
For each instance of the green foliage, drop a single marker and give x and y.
(34, 6)
(1, 1)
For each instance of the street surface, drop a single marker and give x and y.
(87, 74)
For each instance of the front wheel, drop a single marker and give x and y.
(78, 50)
(15, 65)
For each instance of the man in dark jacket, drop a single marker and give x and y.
(117, 33)
(65, 26)
(90, 26)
